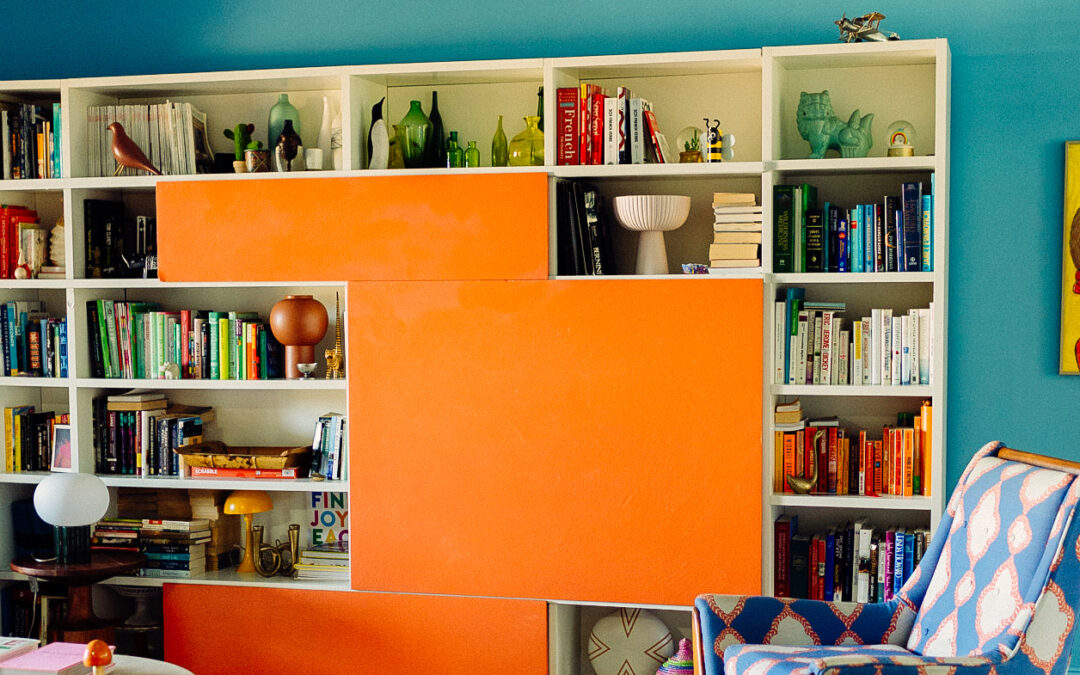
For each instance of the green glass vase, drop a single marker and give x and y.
(435, 151)
(472, 155)
(455, 156)
(281, 111)
(500, 155)
(527, 148)
(413, 135)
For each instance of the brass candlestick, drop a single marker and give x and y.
(335, 358)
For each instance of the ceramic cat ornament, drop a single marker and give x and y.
(820, 127)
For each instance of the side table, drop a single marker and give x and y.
(81, 624)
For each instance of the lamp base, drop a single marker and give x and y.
(247, 565)
(72, 544)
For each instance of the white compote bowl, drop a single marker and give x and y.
(652, 216)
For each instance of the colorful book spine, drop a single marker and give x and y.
(912, 225)
(566, 105)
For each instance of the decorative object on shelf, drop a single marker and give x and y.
(901, 138)
(57, 247)
(394, 158)
(651, 215)
(97, 656)
(413, 135)
(299, 323)
(256, 158)
(323, 141)
(279, 558)
(288, 150)
(500, 154)
(127, 153)
(313, 159)
(61, 449)
(455, 156)
(822, 129)
(728, 151)
(378, 143)
(241, 137)
(71, 503)
(863, 27)
(540, 107)
(1069, 361)
(803, 486)
(170, 370)
(335, 358)
(335, 141)
(306, 370)
(629, 640)
(527, 147)
(714, 142)
(472, 155)
(436, 150)
(681, 662)
(245, 503)
(281, 111)
(689, 139)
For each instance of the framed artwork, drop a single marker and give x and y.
(1070, 265)
(61, 448)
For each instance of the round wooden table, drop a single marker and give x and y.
(81, 624)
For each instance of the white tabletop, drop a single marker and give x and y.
(137, 665)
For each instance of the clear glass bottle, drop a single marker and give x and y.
(472, 154)
(455, 156)
(500, 155)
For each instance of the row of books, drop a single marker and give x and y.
(584, 245)
(118, 246)
(139, 340)
(225, 533)
(29, 439)
(33, 343)
(329, 447)
(173, 548)
(31, 141)
(135, 433)
(598, 128)
(843, 461)
(172, 135)
(852, 563)
(324, 561)
(736, 230)
(24, 245)
(814, 345)
(895, 235)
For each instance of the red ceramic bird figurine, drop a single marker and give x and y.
(127, 153)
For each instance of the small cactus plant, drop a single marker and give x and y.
(241, 138)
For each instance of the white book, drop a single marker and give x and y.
(637, 130)
(815, 377)
(867, 349)
(912, 372)
(877, 363)
(827, 349)
(737, 217)
(805, 344)
(839, 347)
(6, 134)
(843, 360)
(743, 209)
(611, 130)
(862, 588)
(930, 320)
(903, 375)
(924, 346)
(780, 342)
(856, 364)
(857, 528)
(886, 347)
(897, 350)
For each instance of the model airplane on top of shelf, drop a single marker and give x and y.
(864, 28)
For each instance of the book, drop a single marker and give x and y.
(638, 131)
(566, 120)
(911, 202)
(784, 528)
(656, 139)
(55, 658)
(175, 525)
(783, 233)
(214, 472)
(11, 647)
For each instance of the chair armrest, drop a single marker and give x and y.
(724, 620)
(908, 664)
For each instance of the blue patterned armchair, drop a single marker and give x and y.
(996, 592)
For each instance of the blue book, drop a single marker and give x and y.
(899, 544)
(793, 300)
(909, 555)
(9, 339)
(62, 347)
(842, 245)
(830, 564)
(857, 227)
(870, 240)
(911, 227)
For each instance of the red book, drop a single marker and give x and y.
(821, 447)
(566, 106)
(213, 472)
(877, 468)
(834, 462)
(812, 586)
(584, 127)
(185, 337)
(654, 136)
(10, 218)
(596, 126)
(782, 561)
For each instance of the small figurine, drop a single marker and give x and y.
(714, 142)
(127, 152)
(863, 27)
(335, 358)
(820, 127)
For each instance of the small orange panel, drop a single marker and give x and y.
(475, 226)
(595, 440)
(231, 629)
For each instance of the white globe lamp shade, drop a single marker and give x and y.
(71, 499)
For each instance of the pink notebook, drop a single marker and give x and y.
(55, 658)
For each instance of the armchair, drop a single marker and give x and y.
(996, 592)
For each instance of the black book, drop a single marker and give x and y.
(571, 224)
(599, 249)
(563, 248)
(832, 252)
(849, 561)
(911, 198)
(93, 336)
(800, 566)
(101, 216)
(815, 241)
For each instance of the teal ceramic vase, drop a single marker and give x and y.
(281, 111)
(413, 135)
(500, 154)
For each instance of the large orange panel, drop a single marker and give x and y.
(486, 226)
(230, 629)
(575, 440)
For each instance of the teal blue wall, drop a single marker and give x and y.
(1015, 101)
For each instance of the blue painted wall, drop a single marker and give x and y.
(1014, 104)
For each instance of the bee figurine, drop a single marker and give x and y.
(713, 145)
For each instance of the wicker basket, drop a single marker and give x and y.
(220, 456)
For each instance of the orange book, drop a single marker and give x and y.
(898, 462)
(789, 460)
(927, 446)
(800, 442)
(778, 462)
(908, 452)
(916, 458)
(886, 462)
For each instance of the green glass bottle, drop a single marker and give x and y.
(455, 156)
(500, 155)
(472, 154)
(413, 135)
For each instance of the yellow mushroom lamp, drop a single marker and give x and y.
(245, 503)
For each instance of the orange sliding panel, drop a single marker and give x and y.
(471, 226)
(586, 440)
(232, 629)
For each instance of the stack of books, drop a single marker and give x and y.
(174, 548)
(736, 231)
(324, 561)
(116, 534)
(223, 548)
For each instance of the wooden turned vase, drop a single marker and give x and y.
(298, 322)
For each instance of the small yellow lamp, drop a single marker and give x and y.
(245, 503)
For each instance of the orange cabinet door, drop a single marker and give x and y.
(233, 629)
(589, 440)
(357, 228)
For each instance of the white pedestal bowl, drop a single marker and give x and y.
(652, 216)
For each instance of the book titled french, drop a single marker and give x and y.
(566, 123)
